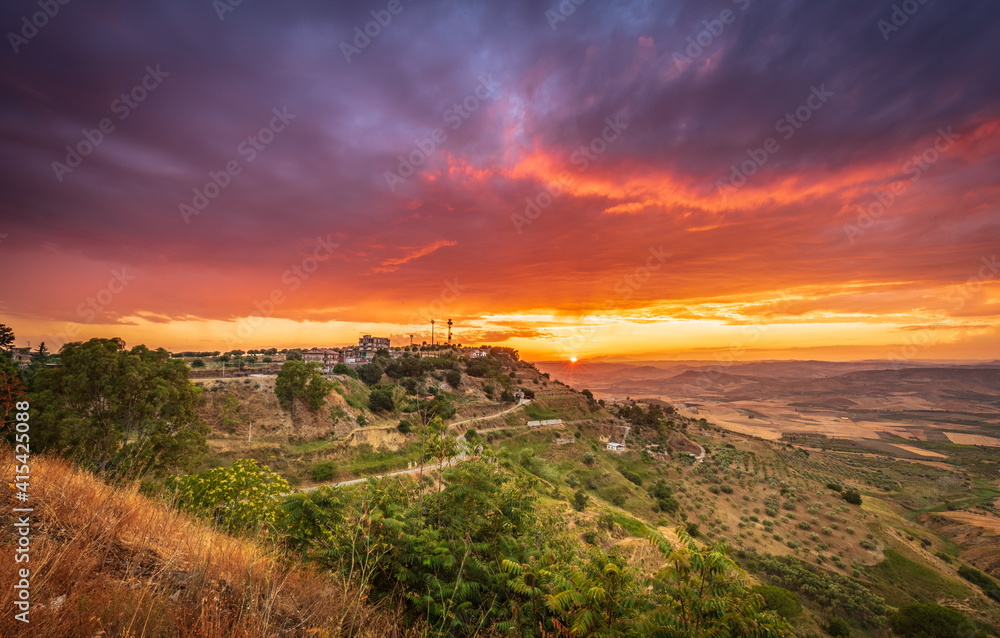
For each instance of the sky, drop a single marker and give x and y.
(722, 179)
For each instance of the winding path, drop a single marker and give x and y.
(427, 468)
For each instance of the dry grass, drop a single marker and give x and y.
(111, 562)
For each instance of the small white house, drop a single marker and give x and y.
(615, 447)
(477, 354)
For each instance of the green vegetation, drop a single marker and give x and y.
(932, 621)
(240, 498)
(119, 412)
(981, 580)
(302, 380)
(780, 600)
(902, 581)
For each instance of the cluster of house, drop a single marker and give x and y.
(21, 356)
(364, 352)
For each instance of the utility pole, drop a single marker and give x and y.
(411, 341)
(449, 332)
(432, 332)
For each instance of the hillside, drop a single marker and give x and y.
(849, 535)
(108, 561)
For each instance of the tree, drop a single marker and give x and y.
(294, 355)
(299, 379)
(380, 398)
(454, 378)
(580, 500)
(852, 497)
(11, 392)
(343, 368)
(41, 355)
(699, 593)
(6, 337)
(197, 363)
(932, 621)
(119, 411)
(369, 373)
(778, 599)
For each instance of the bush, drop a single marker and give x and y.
(726, 489)
(343, 368)
(836, 487)
(589, 458)
(692, 530)
(380, 399)
(454, 378)
(852, 497)
(323, 471)
(838, 627)
(580, 500)
(198, 363)
(404, 427)
(631, 476)
(572, 480)
(931, 621)
(778, 599)
(976, 577)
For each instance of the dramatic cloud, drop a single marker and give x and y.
(626, 177)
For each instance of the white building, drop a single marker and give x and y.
(615, 447)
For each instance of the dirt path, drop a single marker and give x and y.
(491, 416)
(427, 468)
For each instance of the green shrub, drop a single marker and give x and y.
(838, 627)
(580, 500)
(984, 582)
(726, 489)
(631, 476)
(692, 530)
(852, 497)
(323, 471)
(931, 621)
(787, 604)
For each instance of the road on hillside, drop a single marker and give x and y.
(700, 457)
(427, 468)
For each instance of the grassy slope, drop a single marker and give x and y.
(108, 561)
